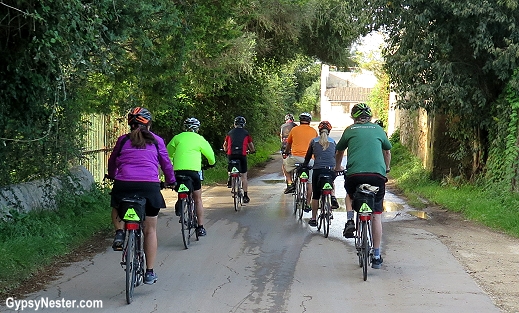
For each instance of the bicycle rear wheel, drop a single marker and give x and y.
(236, 193)
(186, 223)
(365, 250)
(296, 201)
(302, 198)
(131, 268)
(326, 211)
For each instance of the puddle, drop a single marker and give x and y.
(392, 206)
(419, 214)
(273, 181)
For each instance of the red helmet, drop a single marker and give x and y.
(325, 125)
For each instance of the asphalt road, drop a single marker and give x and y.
(261, 259)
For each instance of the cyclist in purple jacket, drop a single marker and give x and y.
(134, 166)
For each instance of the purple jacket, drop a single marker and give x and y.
(133, 164)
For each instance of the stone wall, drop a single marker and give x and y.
(426, 136)
(39, 195)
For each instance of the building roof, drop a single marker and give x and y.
(348, 94)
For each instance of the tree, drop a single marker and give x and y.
(453, 58)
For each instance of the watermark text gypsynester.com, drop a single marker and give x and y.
(46, 303)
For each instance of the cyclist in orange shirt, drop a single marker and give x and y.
(297, 145)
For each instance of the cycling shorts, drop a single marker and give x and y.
(290, 166)
(242, 159)
(316, 186)
(149, 190)
(197, 183)
(352, 181)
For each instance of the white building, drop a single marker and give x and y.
(340, 91)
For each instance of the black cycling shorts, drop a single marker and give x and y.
(197, 183)
(242, 159)
(149, 190)
(316, 186)
(352, 181)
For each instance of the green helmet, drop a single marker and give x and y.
(360, 110)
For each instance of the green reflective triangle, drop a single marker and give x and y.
(131, 215)
(303, 175)
(327, 186)
(183, 188)
(234, 170)
(364, 208)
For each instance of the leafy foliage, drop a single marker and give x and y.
(454, 58)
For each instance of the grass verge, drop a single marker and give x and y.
(31, 241)
(492, 206)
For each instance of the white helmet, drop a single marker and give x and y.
(192, 124)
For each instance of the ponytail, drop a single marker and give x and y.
(140, 136)
(324, 139)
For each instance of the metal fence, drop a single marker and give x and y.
(102, 133)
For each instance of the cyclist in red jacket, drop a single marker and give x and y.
(236, 144)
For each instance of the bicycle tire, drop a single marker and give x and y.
(240, 193)
(365, 250)
(302, 199)
(326, 215)
(296, 199)
(185, 222)
(235, 193)
(194, 220)
(131, 268)
(358, 232)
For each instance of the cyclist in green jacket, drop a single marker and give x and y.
(185, 151)
(368, 161)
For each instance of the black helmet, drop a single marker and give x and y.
(139, 115)
(289, 117)
(361, 110)
(240, 120)
(191, 124)
(305, 117)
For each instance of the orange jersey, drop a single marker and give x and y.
(300, 138)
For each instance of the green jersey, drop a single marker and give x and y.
(365, 143)
(185, 151)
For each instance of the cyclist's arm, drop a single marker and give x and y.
(287, 148)
(309, 154)
(165, 162)
(387, 159)
(338, 159)
(225, 144)
(250, 145)
(112, 160)
(171, 148)
(208, 152)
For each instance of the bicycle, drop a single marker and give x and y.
(236, 184)
(188, 217)
(363, 201)
(132, 211)
(300, 179)
(325, 203)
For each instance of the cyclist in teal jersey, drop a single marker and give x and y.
(368, 162)
(185, 151)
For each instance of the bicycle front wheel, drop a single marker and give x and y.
(186, 223)
(131, 269)
(365, 250)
